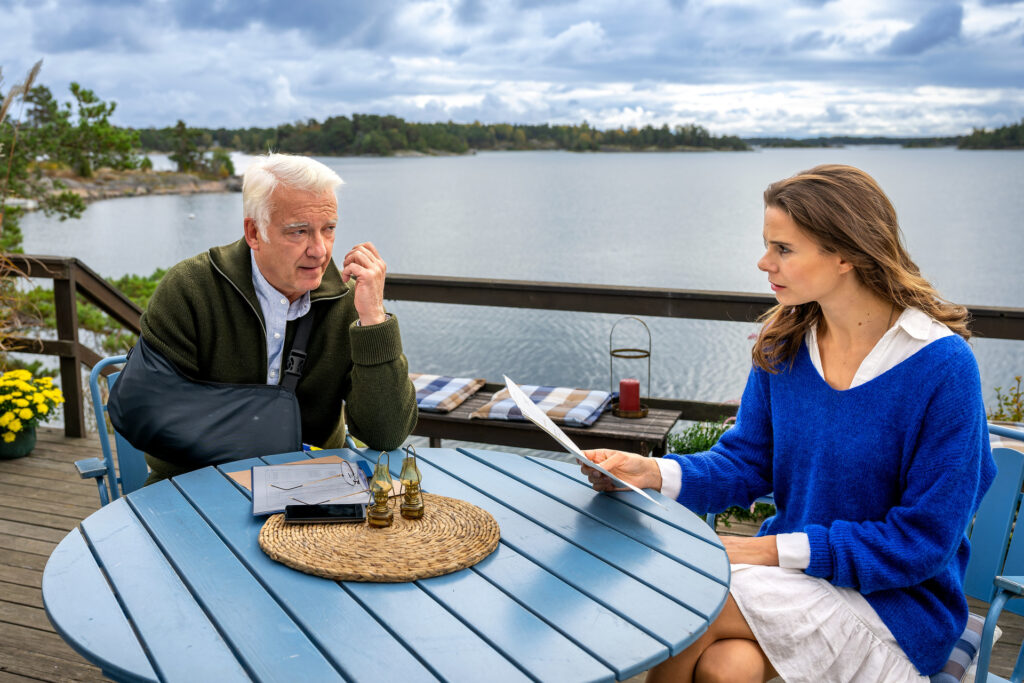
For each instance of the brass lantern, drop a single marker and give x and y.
(412, 502)
(380, 515)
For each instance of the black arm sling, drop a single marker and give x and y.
(194, 423)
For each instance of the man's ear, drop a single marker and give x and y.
(252, 234)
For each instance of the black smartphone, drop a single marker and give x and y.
(347, 512)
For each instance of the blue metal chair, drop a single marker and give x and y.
(995, 573)
(131, 471)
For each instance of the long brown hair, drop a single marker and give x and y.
(845, 211)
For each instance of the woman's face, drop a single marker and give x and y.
(799, 270)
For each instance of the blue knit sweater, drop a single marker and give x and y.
(882, 477)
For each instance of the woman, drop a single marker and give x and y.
(863, 413)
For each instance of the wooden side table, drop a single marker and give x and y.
(642, 435)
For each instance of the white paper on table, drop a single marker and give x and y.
(537, 416)
(275, 486)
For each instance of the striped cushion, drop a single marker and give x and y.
(572, 407)
(964, 654)
(440, 393)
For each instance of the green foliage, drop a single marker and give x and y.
(700, 437)
(1009, 406)
(1007, 137)
(385, 135)
(185, 152)
(75, 136)
(109, 334)
(191, 153)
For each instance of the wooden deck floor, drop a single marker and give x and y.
(42, 499)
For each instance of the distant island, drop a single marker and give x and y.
(372, 134)
(1007, 137)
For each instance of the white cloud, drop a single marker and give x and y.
(747, 68)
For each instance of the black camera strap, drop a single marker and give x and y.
(297, 356)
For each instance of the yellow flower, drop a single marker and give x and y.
(26, 414)
(18, 374)
(6, 418)
(42, 409)
(9, 437)
(14, 425)
(21, 402)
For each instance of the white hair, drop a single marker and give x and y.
(269, 171)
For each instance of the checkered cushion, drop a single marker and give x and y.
(965, 654)
(572, 407)
(440, 393)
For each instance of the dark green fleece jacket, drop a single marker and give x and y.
(206, 319)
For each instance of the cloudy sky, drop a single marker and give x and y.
(745, 67)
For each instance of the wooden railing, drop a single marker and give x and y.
(72, 277)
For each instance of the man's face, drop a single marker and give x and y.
(300, 239)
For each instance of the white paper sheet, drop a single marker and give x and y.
(274, 486)
(531, 412)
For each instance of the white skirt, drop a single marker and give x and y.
(813, 631)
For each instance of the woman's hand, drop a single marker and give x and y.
(756, 550)
(637, 470)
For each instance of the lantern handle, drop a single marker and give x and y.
(629, 353)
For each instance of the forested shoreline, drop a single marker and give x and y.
(372, 134)
(384, 135)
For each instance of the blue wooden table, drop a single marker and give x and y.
(171, 584)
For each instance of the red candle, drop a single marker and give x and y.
(629, 394)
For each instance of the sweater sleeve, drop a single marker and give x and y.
(949, 470)
(737, 469)
(168, 323)
(381, 405)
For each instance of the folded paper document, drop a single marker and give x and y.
(275, 486)
(539, 418)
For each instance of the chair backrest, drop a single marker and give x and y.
(131, 472)
(995, 549)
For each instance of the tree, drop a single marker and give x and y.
(26, 151)
(186, 155)
(80, 136)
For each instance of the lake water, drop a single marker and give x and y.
(660, 220)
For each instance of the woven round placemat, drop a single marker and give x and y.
(451, 535)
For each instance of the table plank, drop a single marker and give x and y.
(687, 586)
(691, 550)
(446, 644)
(86, 614)
(625, 607)
(341, 628)
(268, 642)
(167, 620)
(675, 515)
(594, 627)
(543, 652)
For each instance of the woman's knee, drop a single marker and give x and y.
(731, 661)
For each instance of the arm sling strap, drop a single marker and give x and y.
(194, 423)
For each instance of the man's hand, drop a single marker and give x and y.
(755, 550)
(364, 264)
(637, 470)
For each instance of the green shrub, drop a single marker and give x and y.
(1009, 406)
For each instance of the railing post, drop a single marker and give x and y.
(66, 309)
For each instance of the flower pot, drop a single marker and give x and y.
(22, 445)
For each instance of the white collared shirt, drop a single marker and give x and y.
(911, 332)
(277, 311)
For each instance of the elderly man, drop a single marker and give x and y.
(230, 315)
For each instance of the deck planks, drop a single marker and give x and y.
(52, 500)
